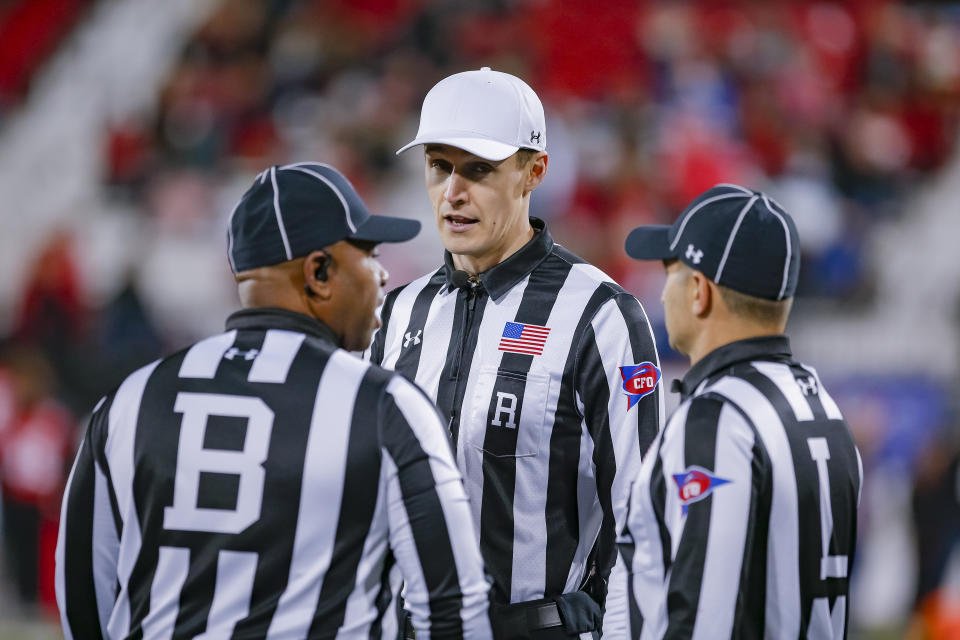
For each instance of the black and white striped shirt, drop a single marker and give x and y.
(527, 369)
(261, 484)
(743, 521)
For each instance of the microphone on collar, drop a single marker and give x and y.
(460, 279)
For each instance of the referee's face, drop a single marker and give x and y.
(481, 206)
(677, 313)
(359, 279)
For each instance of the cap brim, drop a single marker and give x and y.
(486, 149)
(650, 242)
(386, 229)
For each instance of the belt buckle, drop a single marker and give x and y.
(544, 616)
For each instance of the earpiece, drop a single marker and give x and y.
(321, 272)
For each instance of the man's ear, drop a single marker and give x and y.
(318, 267)
(536, 171)
(701, 294)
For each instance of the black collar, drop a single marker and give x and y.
(761, 348)
(276, 318)
(500, 278)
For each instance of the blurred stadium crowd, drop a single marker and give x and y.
(844, 111)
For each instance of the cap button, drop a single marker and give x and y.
(484, 68)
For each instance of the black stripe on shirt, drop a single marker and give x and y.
(356, 510)
(750, 614)
(380, 337)
(597, 417)
(283, 470)
(196, 595)
(156, 439)
(700, 447)
(644, 350)
(459, 358)
(658, 498)
(808, 493)
(101, 458)
(430, 535)
(238, 359)
(627, 549)
(561, 511)
(409, 360)
(499, 443)
(81, 601)
(384, 598)
(810, 388)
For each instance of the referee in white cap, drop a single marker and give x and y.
(544, 369)
(743, 520)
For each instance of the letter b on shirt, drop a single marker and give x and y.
(195, 458)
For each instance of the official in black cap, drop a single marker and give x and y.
(742, 522)
(741, 243)
(304, 225)
(263, 482)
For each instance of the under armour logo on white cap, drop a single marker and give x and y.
(488, 113)
(693, 254)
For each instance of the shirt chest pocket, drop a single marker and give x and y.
(507, 412)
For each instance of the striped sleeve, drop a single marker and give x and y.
(619, 601)
(88, 541)
(622, 426)
(643, 554)
(694, 518)
(431, 532)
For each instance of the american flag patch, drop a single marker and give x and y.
(523, 338)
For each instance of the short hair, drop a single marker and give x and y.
(754, 308)
(524, 156)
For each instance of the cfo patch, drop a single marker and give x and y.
(639, 380)
(695, 484)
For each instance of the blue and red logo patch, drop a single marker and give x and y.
(695, 484)
(639, 380)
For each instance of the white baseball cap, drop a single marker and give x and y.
(488, 113)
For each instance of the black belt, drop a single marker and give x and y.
(521, 619)
(536, 615)
(543, 616)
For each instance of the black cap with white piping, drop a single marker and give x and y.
(739, 238)
(294, 209)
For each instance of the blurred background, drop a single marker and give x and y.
(129, 128)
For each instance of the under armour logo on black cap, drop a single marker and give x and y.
(694, 254)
